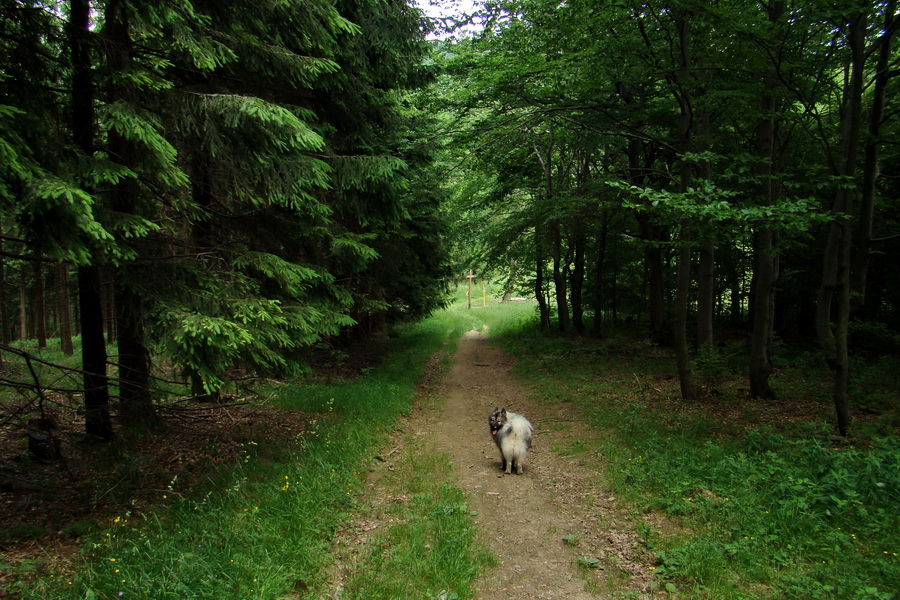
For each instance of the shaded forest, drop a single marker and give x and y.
(228, 230)
(198, 193)
(714, 171)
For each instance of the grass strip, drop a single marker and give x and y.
(429, 550)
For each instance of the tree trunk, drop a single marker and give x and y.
(764, 276)
(736, 289)
(543, 310)
(559, 280)
(23, 306)
(683, 277)
(93, 345)
(93, 355)
(108, 302)
(600, 273)
(577, 285)
(40, 306)
(134, 357)
(653, 236)
(511, 281)
(837, 262)
(682, 297)
(5, 333)
(706, 266)
(870, 164)
(761, 336)
(63, 309)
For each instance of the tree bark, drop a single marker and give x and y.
(765, 274)
(23, 306)
(39, 309)
(837, 261)
(682, 297)
(600, 274)
(5, 327)
(577, 282)
(559, 280)
(683, 277)
(543, 310)
(706, 265)
(63, 309)
(870, 162)
(93, 345)
(134, 358)
(93, 355)
(654, 235)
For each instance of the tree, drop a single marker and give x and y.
(240, 171)
(764, 237)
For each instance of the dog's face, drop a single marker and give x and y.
(497, 420)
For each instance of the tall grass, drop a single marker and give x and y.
(262, 528)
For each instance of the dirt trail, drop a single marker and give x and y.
(524, 518)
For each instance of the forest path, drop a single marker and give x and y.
(524, 518)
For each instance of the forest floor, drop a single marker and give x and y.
(47, 507)
(556, 531)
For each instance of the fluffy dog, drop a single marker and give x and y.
(512, 434)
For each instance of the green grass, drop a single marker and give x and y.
(431, 547)
(264, 527)
(755, 511)
(752, 510)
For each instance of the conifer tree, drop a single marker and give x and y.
(240, 169)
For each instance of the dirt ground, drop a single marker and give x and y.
(523, 519)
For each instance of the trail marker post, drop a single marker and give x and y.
(470, 277)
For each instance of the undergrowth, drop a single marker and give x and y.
(760, 504)
(262, 528)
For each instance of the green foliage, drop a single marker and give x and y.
(22, 531)
(264, 527)
(247, 177)
(758, 512)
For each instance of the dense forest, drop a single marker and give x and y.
(706, 168)
(197, 192)
(200, 191)
(236, 239)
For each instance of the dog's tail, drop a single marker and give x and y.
(522, 429)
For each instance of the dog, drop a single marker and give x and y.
(512, 433)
